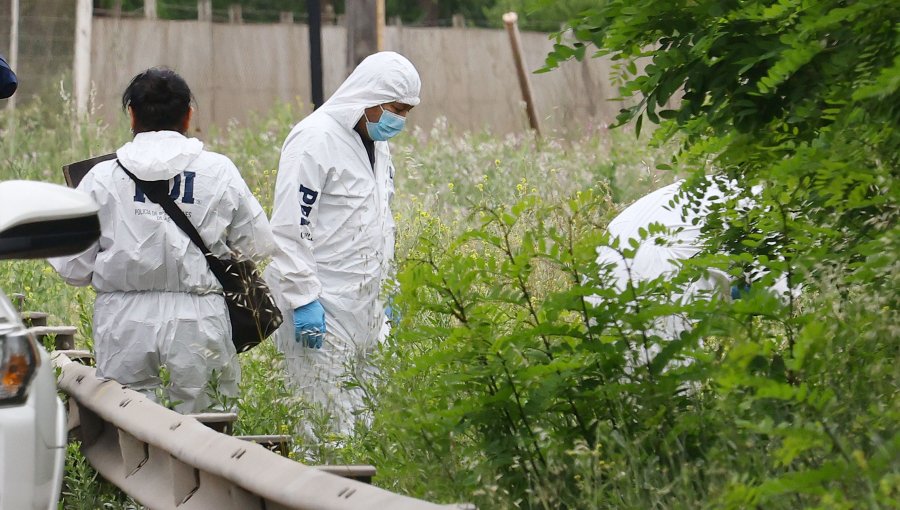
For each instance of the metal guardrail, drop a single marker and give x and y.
(166, 460)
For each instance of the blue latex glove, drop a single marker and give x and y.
(739, 290)
(309, 325)
(392, 314)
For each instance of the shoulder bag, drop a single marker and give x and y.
(251, 307)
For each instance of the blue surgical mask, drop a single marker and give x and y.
(388, 126)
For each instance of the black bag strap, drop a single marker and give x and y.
(160, 195)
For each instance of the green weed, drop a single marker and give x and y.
(501, 385)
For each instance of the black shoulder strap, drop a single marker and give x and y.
(160, 195)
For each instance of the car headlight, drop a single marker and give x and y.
(18, 364)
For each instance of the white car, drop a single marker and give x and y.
(37, 220)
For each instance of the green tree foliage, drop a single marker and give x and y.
(801, 96)
(482, 13)
(505, 379)
(797, 100)
(488, 13)
(503, 369)
(547, 17)
(253, 10)
(434, 12)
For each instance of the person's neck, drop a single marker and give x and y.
(360, 129)
(368, 143)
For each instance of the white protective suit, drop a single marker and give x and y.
(158, 304)
(682, 242)
(333, 226)
(653, 259)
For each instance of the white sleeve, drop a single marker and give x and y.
(249, 233)
(78, 269)
(298, 189)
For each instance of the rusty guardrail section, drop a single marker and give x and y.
(166, 460)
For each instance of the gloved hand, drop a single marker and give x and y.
(392, 314)
(739, 290)
(309, 324)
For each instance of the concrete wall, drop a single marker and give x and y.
(237, 70)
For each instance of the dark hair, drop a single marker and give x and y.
(160, 99)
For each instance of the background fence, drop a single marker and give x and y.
(468, 75)
(237, 70)
(46, 44)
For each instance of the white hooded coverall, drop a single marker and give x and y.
(683, 241)
(333, 226)
(653, 259)
(158, 304)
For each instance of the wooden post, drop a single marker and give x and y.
(379, 25)
(459, 21)
(204, 10)
(287, 17)
(362, 30)
(150, 9)
(235, 14)
(81, 74)
(510, 19)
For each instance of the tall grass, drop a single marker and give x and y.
(497, 387)
(441, 174)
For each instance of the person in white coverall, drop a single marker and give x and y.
(663, 254)
(158, 304)
(333, 226)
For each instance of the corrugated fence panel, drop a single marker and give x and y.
(256, 66)
(238, 71)
(121, 48)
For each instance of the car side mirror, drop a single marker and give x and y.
(39, 220)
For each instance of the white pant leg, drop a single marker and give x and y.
(329, 378)
(138, 332)
(319, 376)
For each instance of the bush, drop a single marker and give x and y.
(539, 401)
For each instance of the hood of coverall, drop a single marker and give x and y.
(380, 78)
(661, 253)
(159, 155)
(682, 242)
